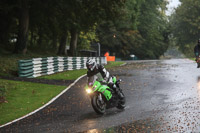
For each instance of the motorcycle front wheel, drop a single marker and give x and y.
(98, 103)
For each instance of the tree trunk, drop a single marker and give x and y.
(62, 47)
(54, 41)
(31, 41)
(40, 40)
(21, 45)
(73, 42)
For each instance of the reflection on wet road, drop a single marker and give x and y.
(161, 95)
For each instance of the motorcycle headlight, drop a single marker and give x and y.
(89, 90)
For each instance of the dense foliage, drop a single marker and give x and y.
(185, 24)
(122, 27)
(142, 31)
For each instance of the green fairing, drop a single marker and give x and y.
(102, 89)
(114, 80)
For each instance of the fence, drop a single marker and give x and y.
(44, 66)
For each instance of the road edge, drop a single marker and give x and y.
(48, 103)
(123, 64)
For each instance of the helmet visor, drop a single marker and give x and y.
(89, 66)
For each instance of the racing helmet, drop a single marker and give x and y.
(91, 64)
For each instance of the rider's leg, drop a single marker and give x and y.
(118, 92)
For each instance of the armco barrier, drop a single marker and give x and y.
(44, 66)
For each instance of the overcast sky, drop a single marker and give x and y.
(172, 4)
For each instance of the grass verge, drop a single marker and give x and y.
(192, 59)
(114, 64)
(67, 75)
(24, 97)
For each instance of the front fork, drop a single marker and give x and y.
(100, 98)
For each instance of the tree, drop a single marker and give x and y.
(119, 36)
(141, 30)
(8, 28)
(86, 14)
(153, 28)
(132, 26)
(185, 25)
(21, 45)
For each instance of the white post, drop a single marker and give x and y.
(99, 46)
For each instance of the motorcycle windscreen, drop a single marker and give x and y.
(94, 78)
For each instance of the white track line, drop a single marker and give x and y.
(52, 100)
(123, 64)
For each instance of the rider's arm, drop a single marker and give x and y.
(89, 77)
(105, 74)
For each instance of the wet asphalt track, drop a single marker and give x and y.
(161, 96)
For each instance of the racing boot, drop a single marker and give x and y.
(118, 92)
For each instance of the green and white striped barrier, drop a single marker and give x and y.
(44, 66)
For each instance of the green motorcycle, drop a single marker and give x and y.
(103, 97)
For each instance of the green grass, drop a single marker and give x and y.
(192, 59)
(114, 64)
(8, 66)
(24, 97)
(67, 75)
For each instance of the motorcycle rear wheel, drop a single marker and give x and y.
(98, 104)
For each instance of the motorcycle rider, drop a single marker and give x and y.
(197, 52)
(94, 68)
